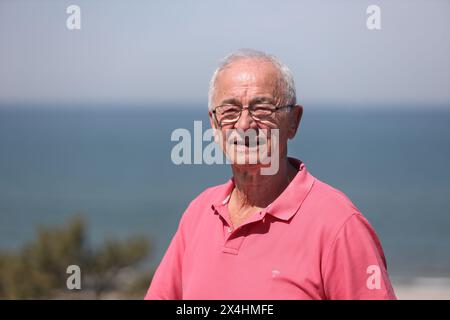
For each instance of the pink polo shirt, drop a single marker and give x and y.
(310, 243)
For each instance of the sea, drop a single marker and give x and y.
(113, 166)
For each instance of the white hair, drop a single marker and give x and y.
(286, 80)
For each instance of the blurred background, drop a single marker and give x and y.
(86, 117)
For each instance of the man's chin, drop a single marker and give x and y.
(247, 167)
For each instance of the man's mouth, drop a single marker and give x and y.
(249, 143)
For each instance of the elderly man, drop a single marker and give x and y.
(283, 235)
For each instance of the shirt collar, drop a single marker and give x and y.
(288, 202)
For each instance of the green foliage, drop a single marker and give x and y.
(38, 270)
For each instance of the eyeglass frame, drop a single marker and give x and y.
(275, 109)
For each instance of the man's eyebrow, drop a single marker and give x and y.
(232, 101)
(257, 100)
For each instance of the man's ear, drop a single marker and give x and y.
(294, 121)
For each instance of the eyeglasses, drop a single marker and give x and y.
(229, 114)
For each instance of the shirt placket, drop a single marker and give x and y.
(233, 238)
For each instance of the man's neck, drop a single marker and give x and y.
(255, 190)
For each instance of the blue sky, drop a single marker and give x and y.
(164, 52)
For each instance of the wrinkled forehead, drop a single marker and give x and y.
(248, 76)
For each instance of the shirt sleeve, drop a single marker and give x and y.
(167, 282)
(356, 267)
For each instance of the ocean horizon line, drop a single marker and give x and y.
(196, 107)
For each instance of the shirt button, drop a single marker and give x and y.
(229, 229)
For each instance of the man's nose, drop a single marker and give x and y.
(245, 121)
